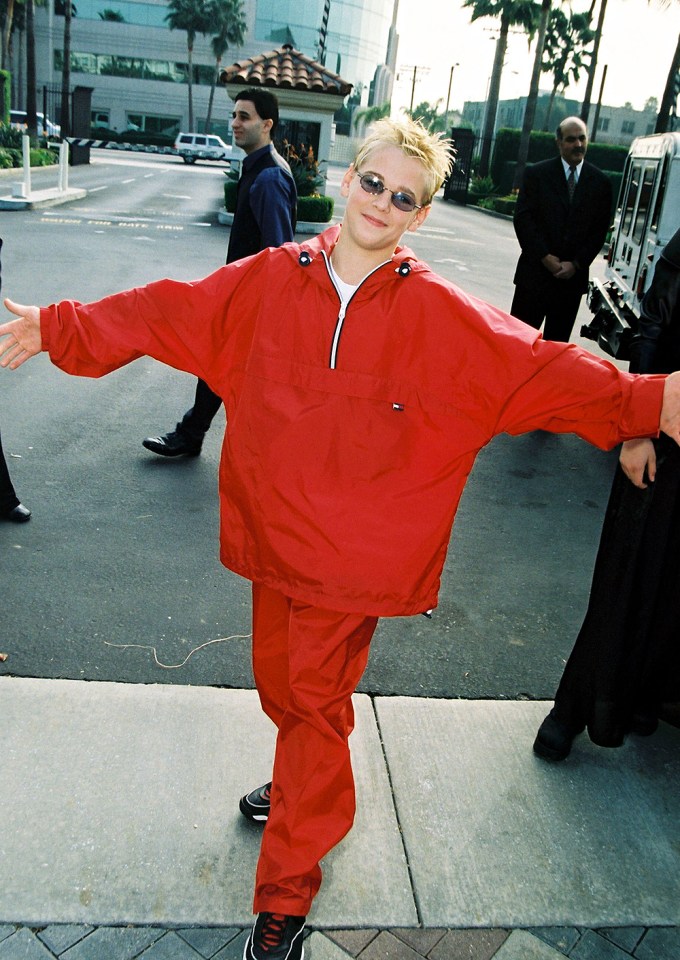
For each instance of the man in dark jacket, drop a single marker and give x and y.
(266, 203)
(561, 220)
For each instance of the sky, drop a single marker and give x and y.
(638, 43)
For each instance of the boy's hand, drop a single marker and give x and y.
(22, 339)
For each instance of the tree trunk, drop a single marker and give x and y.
(551, 104)
(65, 112)
(208, 119)
(532, 99)
(492, 99)
(9, 16)
(669, 94)
(190, 52)
(592, 66)
(31, 80)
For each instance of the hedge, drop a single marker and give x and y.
(606, 156)
(310, 209)
(315, 209)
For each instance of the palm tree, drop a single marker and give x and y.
(565, 42)
(368, 115)
(521, 13)
(592, 66)
(429, 116)
(7, 32)
(193, 16)
(532, 99)
(230, 20)
(65, 111)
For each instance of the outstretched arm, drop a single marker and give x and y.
(21, 338)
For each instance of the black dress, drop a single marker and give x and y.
(626, 660)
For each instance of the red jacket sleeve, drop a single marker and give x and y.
(190, 326)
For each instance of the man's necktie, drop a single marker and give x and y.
(571, 182)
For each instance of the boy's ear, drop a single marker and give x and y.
(420, 218)
(346, 181)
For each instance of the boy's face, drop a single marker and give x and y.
(372, 221)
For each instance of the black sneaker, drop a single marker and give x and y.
(275, 936)
(256, 805)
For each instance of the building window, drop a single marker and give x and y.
(118, 11)
(153, 123)
(603, 124)
(139, 68)
(100, 118)
(628, 126)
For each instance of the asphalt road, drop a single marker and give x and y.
(119, 566)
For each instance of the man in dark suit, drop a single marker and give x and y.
(561, 220)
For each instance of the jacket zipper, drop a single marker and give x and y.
(333, 360)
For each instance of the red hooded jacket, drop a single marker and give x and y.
(350, 438)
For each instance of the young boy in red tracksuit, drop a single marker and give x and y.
(359, 387)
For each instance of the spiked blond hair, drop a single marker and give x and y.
(433, 151)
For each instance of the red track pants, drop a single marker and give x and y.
(307, 663)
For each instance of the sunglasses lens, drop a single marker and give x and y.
(403, 202)
(375, 186)
(372, 185)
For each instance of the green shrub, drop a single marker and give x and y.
(6, 160)
(10, 137)
(230, 195)
(504, 205)
(315, 209)
(481, 186)
(44, 158)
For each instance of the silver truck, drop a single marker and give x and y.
(647, 215)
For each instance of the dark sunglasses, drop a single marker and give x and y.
(374, 185)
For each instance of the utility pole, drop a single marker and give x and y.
(413, 81)
(448, 97)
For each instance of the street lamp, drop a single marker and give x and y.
(448, 97)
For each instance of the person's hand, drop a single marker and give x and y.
(551, 263)
(635, 456)
(670, 409)
(22, 339)
(566, 271)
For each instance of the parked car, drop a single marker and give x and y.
(206, 146)
(19, 120)
(646, 218)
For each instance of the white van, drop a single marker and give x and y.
(205, 146)
(646, 218)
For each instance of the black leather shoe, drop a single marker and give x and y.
(172, 445)
(554, 739)
(18, 514)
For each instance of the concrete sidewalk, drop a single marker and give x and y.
(121, 835)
